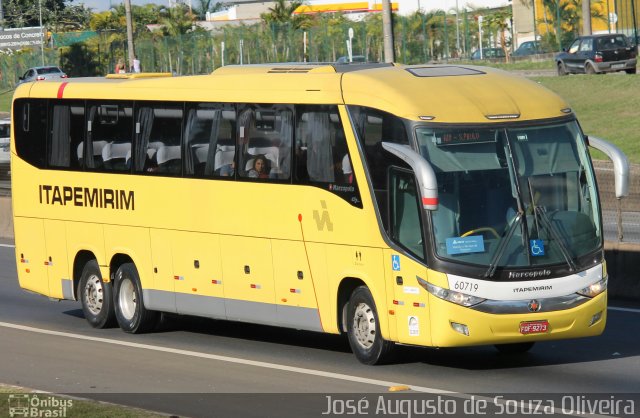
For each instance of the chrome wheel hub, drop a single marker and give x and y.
(127, 299)
(364, 325)
(94, 294)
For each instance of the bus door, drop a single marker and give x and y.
(248, 279)
(409, 303)
(198, 281)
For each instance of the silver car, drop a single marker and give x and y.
(5, 134)
(48, 72)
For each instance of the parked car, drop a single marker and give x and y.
(595, 54)
(48, 72)
(528, 48)
(5, 139)
(488, 53)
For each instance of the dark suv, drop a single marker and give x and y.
(598, 54)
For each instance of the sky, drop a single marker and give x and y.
(102, 5)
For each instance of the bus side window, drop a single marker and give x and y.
(265, 135)
(31, 133)
(158, 139)
(66, 134)
(406, 225)
(109, 128)
(209, 140)
(322, 156)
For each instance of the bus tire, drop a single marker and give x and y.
(96, 297)
(516, 348)
(131, 314)
(363, 329)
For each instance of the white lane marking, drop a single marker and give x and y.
(7, 245)
(615, 308)
(236, 360)
(282, 367)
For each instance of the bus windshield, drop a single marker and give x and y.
(512, 197)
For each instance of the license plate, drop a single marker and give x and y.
(617, 66)
(534, 327)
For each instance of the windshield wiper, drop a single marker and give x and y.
(502, 245)
(542, 215)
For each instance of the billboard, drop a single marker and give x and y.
(20, 38)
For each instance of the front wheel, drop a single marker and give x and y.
(363, 329)
(562, 70)
(96, 297)
(131, 314)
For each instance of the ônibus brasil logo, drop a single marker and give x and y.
(28, 405)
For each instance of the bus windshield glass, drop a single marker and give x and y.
(516, 197)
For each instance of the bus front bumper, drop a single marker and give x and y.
(450, 321)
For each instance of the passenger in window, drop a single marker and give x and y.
(347, 171)
(260, 168)
(227, 170)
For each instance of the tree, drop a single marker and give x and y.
(177, 20)
(498, 24)
(56, 14)
(201, 7)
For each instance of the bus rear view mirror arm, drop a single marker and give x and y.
(620, 164)
(424, 173)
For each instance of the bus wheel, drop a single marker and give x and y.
(363, 329)
(517, 348)
(96, 297)
(131, 314)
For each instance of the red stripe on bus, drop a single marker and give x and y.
(61, 89)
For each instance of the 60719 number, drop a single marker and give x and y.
(466, 286)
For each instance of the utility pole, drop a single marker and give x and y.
(586, 17)
(127, 12)
(41, 33)
(387, 31)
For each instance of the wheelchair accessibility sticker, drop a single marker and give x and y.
(537, 247)
(395, 262)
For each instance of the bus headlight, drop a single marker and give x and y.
(594, 289)
(450, 295)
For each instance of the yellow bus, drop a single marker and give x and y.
(428, 205)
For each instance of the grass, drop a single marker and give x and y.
(606, 105)
(76, 407)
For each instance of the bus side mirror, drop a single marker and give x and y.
(620, 164)
(427, 183)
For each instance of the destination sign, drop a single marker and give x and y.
(464, 136)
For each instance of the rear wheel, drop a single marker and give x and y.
(363, 329)
(96, 297)
(590, 69)
(131, 314)
(630, 71)
(517, 348)
(561, 69)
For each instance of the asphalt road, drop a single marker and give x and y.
(196, 367)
